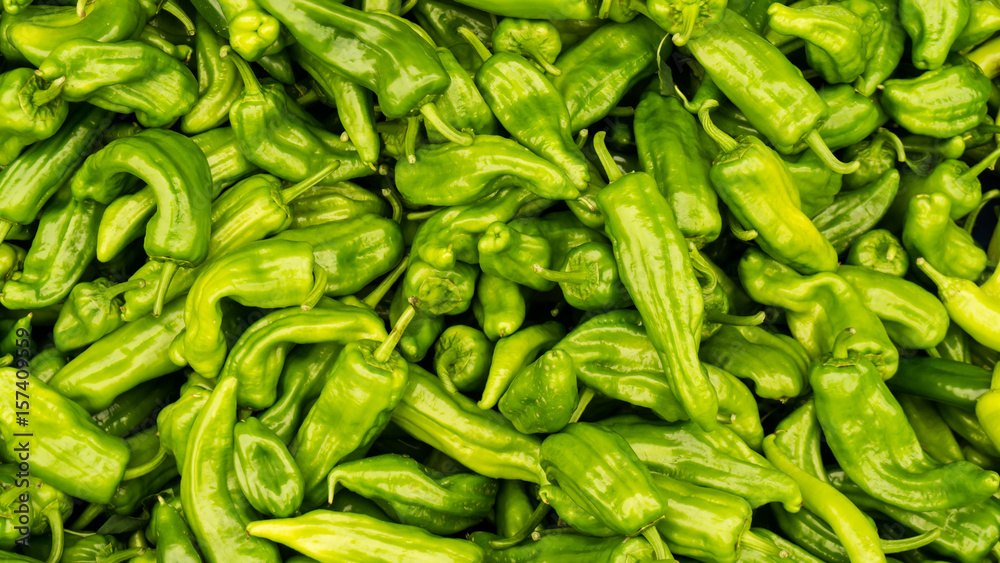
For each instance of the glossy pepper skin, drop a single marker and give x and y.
(45, 508)
(302, 381)
(879, 251)
(440, 292)
(217, 519)
(572, 547)
(943, 381)
(266, 274)
(875, 155)
(173, 536)
(590, 280)
(935, 437)
(930, 234)
(836, 42)
(968, 305)
(939, 103)
(31, 112)
(462, 357)
(482, 440)
(596, 73)
(853, 117)
(175, 421)
(933, 26)
(860, 417)
(537, 41)
(816, 183)
(441, 21)
(542, 396)
(499, 306)
(818, 309)
(719, 460)
(416, 495)
(154, 85)
(77, 457)
(462, 105)
(267, 473)
(513, 354)
(777, 364)
(454, 174)
(335, 201)
(512, 253)
(853, 213)
(651, 253)
(343, 536)
(219, 83)
(664, 130)
(132, 407)
(758, 189)
(91, 311)
(781, 105)
(583, 459)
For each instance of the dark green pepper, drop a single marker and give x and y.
(537, 41)
(30, 507)
(930, 428)
(268, 475)
(875, 156)
(91, 311)
(566, 547)
(219, 84)
(441, 20)
(130, 409)
(421, 333)
(944, 381)
(173, 536)
(853, 213)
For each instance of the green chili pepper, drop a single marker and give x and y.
(543, 395)
(175, 421)
(849, 395)
(717, 459)
(173, 536)
(853, 117)
(482, 440)
(836, 39)
(964, 423)
(439, 292)
(818, 308)
(589, 280)
(421, 333)
(30, 506)
(583, 459)
(663, 131)
(98, 548)
(885, 49)
(784, 107)
(453, 174)
(542, 9)
(31, 113)
(513, 353)
(930, 234)
(875, 157)
(913, 318)
(816, 184)
(302, 380)
(219, 85)
(130, 409)
(933, 26)
(462, 105)
(268, 475)
(91, 311)
(853, 213)
(341, 536)
(984, 21)
(939, 103)
(224, 158)
(326, 203)
(499, 306)
(777, 364)
(596, 73)
(513, 508)
(572, 547)
(880, 251)
(537, 41)
(931, 430)
(441, 21)
(462, 358)
(416, 495)
(513, 253)
(343, 422)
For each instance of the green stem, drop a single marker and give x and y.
(407, 7)
(319, 288)
(397, 206)
(88, 515)
(659, 548)
(384, 350)
(622, 111)
(739, 232)
(5, 227)
(170, 7)
(840, 344)
(758, 543)
(421, 215)
(251, 86)
(380, 291)
(897, 143)
(144, 468)
(581, 405)
(981, 166)
(915, 542)
(432, 116)
(689, 15)
(931, 272)
(726, 143)
(481, 49)
(311, 97)
(638, 6)
(575, 277)
(40, 98)
(734, 320)
(52, 514)
(166, 274)
(542, 62)
(970, 220)
(123, 555)
(118, 289)
(702, 266)
(449, 385)
(290, 193)
(81, 8)
(932, 352)
(605, 10)
(581, 138)
(539, 514)
(818, 145)
(607, 161)
(410, 139)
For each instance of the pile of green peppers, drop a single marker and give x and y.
(498, 281)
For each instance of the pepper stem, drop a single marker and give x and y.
(92, 511)
(52, 514)
(410, 139)
(637, 6)
(611, 169)
(251, 86)
(759, 544)
(939, 279)
(703, 267)
(432, 116)
(605, 9)
(449, 385)
(383, 352)
(407, 7)
(579, 277)
(290, 193)
(840, 344)
(42, 97)
(735, 320)
(915, 542)
(167, 274)
(144, 468)
(542, 62)
(660, 550)
(581, 405)
(981, 166)
(319, 288)
(380, 291)
(118, 289)
(739, 232)
(397, 206)
(5, 227)
(581, 138)
(689, 17)
(481, 49)
(970, 221)
(124, 555)
(539, 514)
(81, 8)
(725, 141)
(421, 215)
(818, 145)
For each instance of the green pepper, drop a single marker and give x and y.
(273, 273)
(513, 354)
(441, 20)
(651, 253)
(219, 84)
(850, 395)
(30, 507)
(663, 131)
(783, 106)
(416, 495)
(462, 105)
(46, 363)
(612, 354)
(589, 280)
(512, 254)
(818, 308)
(933, 25)
(930, 234)
(499, 306)
(537, 41)
(584, 459)
(543, 395)
(816, 184)
(268, 475)
(339, 201)
(302, 380)
(880, 251)
(462, 357)
(175, 421)
(31, 113)
(939, 103)
(596, 73)
(422, 332)
(216, 518)
(342, 536)
(531, 109)
(173, 536)
(482, 440)
(853, 213)
(342, 422)
(718, 459)
(875, 156)
(984, 21)
(567, 547)
(944, 381)
(440, 292)
(965, 423)
(777, 364)
(453, 174)
(853, 117)
(130, 409)
(224, 158)
(91, 311)
(98, 548)
(836, 39)
(513, 509)
(930, 428)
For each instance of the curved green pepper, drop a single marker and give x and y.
(91, 311)
(929, 233)
(879, 251)
(499, 306)
(339, 201)
(31, 507)
(777, 364)
(930, 428)
(836, 38)
(939, 103)
(219, 84)
(513, 354)
(173, 536)
(30, 112)
(462, 357)
(175, 421)
(268, 475)
(537, 41)
(853, 213)
(543, 395)
(968, 305)
(933, 25)
(853, 116)
(302, 380)
(570, 547)
(875, 156)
